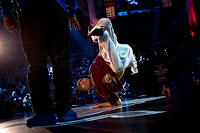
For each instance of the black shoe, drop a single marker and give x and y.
(42, 120)
(68, 116)
(96, 31)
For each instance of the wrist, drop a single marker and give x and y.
(72, 12)
(119, 102)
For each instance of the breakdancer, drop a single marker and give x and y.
(109, 65)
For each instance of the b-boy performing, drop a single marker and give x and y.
(109, 65)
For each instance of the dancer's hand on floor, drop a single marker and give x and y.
(102, 105)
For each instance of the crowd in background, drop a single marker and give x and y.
(156, 68)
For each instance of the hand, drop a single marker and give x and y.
(94, 22)
(10, 24)
(73, 22)
(107, 104)
(119, 102)
(94, 107)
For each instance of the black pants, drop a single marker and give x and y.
(45, 34)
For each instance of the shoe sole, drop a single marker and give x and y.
(96, 27)
(59, 120)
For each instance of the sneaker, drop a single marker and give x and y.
(96, 31)
(42, 120)
(69, 115)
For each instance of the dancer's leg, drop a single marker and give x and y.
(119, 56)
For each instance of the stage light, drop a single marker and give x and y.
(3, 131)
(191, 13)
(192, 33)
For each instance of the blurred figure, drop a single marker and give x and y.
(20, 88)
(14, 96)
(166, 91)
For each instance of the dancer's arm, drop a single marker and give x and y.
(101, 105)
(107, 104)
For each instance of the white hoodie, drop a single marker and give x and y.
(120, 56)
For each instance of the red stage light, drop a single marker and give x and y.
(192, 33)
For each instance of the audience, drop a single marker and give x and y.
(15, 95)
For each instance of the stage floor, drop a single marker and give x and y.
(142, 115)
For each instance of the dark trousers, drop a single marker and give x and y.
(45, 34)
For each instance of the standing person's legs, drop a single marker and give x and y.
(58, 33)
(44, 33)
(62, 77)
(34, 44)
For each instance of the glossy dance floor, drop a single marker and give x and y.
(142, 115)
